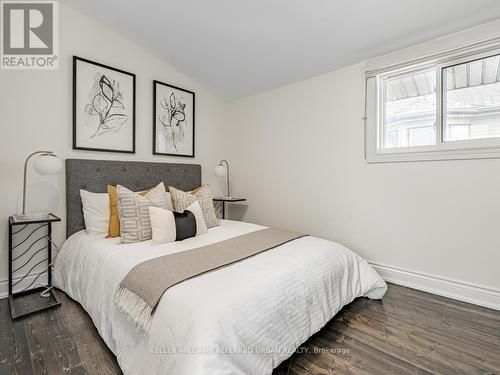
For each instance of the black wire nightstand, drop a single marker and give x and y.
(28, 252)
(222, 207)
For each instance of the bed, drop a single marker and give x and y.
(245, 318)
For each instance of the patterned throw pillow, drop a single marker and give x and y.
(135, 225)
(182, 199)
(114, 218)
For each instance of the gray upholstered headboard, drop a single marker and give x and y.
(95, 175)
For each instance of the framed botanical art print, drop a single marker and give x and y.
(103, 107)
(173, 120)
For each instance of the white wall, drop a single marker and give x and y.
(297, 155)
(36, 110)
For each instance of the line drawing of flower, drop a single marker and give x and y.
(173, 118)
(107, 105)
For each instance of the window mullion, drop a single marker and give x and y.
(439, 106)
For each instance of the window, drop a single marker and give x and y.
(435, 110)
(471, 94)
(410, 109)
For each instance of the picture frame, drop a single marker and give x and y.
(173, 120)
(104, 107)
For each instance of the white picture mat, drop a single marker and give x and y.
(163, 140)
(87, 75)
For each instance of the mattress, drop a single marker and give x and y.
(245, 318)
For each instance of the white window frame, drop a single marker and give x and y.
(443, 150)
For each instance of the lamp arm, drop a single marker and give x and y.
(227, 175)
(26, 173)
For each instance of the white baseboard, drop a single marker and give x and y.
(462, 291)
(3, 289)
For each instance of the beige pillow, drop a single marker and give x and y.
(182, 199)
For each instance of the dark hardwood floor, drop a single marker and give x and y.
(409, 332)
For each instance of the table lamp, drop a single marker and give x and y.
(221, 171)
(47, 163)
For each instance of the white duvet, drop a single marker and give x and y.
(242, 319)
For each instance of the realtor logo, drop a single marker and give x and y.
(29, 37)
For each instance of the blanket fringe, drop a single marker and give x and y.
(135, 308)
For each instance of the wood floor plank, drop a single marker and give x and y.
(100, 362)
(41, 363)
(64, 345)
(455, 305)
(411, 349)
(409, 332)
(7, 340)
(422, 334)
(14, 352)
(408, 316)
(476, 318)
(23, 358)
(369, 357)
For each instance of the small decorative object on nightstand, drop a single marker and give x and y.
(30, 262)
(221, 211)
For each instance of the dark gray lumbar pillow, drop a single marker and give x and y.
(185, 225)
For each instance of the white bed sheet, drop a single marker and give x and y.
(242, 319)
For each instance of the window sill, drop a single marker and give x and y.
(437, 155)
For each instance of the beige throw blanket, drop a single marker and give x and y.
(141, 290)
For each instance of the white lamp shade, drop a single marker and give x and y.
(47, 164)
(220, 170)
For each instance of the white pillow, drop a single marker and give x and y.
(201, 225)
(95, 212)
(163, 223)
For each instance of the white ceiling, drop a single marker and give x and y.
(240, 47)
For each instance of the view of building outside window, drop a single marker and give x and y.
(471, 105)
(471, 100)
(410, 110)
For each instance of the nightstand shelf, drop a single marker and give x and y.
(223, 201)
(30, 273)
(29, 302)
